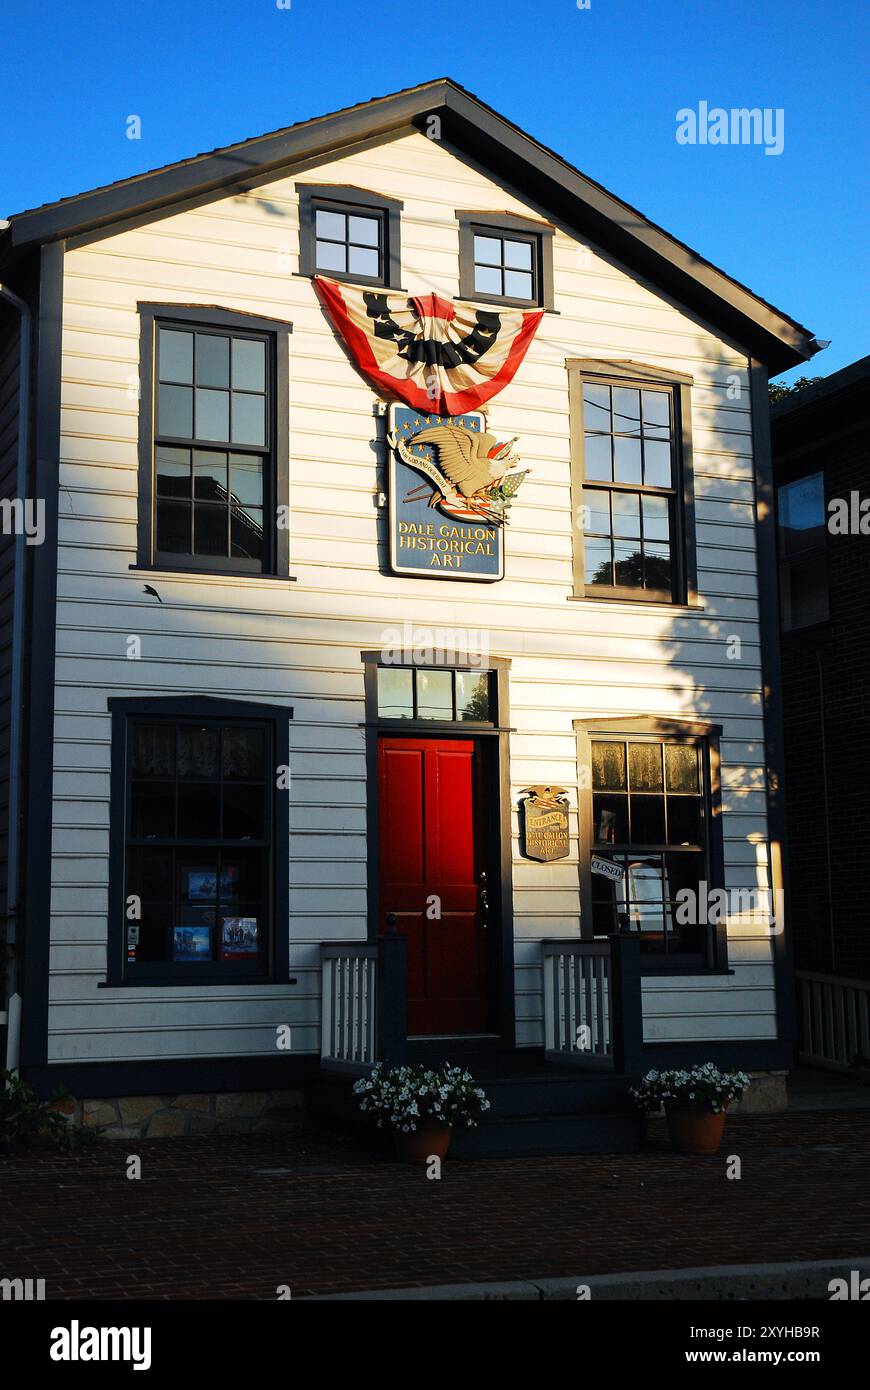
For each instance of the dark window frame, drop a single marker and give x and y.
(713, 959)
(496, 667)
(600, 372)
(277, 487)
(506, 226)
(181, 709)
(352, 202)
(785, 561)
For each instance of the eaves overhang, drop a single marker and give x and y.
(479, 132)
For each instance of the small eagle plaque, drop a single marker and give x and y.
(545, 824)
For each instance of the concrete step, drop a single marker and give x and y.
(559, 1093)
(591, 1133)
(538, 1111)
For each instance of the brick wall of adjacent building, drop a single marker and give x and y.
(826, 692)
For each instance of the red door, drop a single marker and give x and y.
(432, 853)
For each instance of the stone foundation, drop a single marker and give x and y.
(766, 1096)
(156, 1117)
(258, 1112)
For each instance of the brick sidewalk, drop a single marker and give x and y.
(235, 1217)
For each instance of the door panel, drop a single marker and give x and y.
(433, 846)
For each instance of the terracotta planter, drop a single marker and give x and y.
(430, 1140)
(695, 1130)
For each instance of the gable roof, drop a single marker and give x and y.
(475, 129)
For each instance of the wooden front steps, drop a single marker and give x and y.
(535, 1109)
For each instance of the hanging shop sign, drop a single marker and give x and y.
(545, 824)
(451, 481)
(451, 487)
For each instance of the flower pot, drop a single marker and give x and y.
(430, 1140)
(695, 1129)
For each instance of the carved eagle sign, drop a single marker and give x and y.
(542, 797)
(472, 477)
(470, 459)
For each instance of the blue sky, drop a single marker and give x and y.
(601, 86)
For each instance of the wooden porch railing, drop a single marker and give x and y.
(592, 1003)
(362, 1003)
(834, 1016)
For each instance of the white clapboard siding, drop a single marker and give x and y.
(299, 643)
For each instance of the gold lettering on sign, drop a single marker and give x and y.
(451, 542)
(546, 832)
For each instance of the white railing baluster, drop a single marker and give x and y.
(834, 1019)
(348, 1005)
(577, 982)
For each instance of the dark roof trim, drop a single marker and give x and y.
(476, 130)
(624, 232)
(846, 379)
(221, 168)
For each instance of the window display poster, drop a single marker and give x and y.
(202, 884)
(191, 943)
(239, 938)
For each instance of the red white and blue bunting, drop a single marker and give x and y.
(442, 357)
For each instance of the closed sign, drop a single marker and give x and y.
(607, 869)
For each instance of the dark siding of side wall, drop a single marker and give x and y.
(9, 341)
(24, 284)
(826, 680)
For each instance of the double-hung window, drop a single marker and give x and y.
(652, 839)
(631, 461)
(213, 441)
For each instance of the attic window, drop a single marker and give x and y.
(349, 234)
(349, 242)
(505, 259)
(505, 266)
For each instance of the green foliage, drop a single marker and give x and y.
(778, 391)
(28, 1122)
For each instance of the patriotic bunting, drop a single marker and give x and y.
(436, 355)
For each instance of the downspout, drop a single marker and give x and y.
(16, 693)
